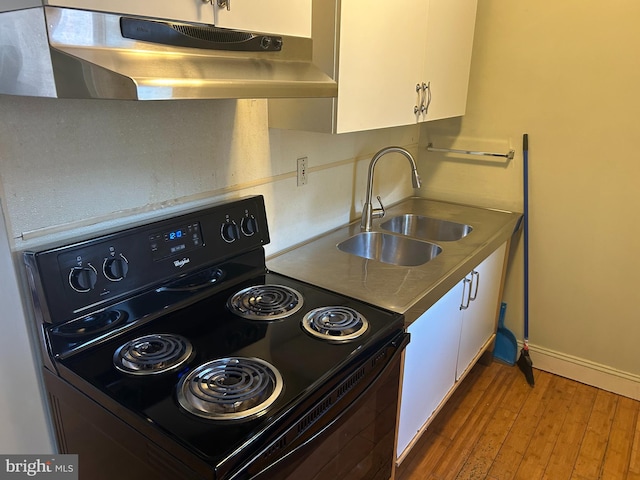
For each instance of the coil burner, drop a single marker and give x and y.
(265, 302)
(153, 354)
(335, 323)
(230, 388)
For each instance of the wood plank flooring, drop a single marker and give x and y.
(497, 427)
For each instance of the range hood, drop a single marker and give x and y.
(68, 53)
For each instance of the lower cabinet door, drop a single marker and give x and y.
(479, 319)
(429, 364)
(445, 341)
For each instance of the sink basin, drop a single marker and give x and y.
(391, 249)
(426, 227)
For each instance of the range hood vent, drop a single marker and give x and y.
(197, 36)
(67, 53)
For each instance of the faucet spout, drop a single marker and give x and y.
(368, 212)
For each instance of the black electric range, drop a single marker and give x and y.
(170, 350)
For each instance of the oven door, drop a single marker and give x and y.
(350, 438)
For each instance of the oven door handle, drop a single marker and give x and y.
(399, 343)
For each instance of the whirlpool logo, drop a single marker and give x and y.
(181, 263)
(51, 467)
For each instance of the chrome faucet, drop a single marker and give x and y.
(368, 212)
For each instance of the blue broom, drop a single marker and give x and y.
(524, 362)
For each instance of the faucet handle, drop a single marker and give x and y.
(378, 212)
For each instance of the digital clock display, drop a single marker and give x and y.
(177, 240)
(175, 235)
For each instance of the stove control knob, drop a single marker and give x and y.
(249, 225)
(229, 231)
(83, 279)
(116, 268)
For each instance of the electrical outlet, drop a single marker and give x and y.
(302, 171)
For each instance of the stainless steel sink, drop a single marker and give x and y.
(428, 228)
(391, 249)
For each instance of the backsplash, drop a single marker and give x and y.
(69, 164)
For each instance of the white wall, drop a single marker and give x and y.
(70, 168)
(67, 164)
(567, 74)
(22, 413)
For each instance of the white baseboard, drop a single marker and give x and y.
(584, 371)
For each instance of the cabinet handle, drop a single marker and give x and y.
(466, 294)
(474, 285)
(224, 3)
(424, 96)
(426, 88)
(417, 109)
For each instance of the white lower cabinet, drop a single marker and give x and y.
(429, 364)
(445, 342)
(479, 319)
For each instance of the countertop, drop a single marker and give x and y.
(407, 290)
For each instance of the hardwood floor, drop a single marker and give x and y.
(497, 427)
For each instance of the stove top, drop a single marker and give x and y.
(299, 362)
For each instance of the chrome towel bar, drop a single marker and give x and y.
(508, 155)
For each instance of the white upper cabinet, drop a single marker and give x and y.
(450, 29)
(396, 63)
(382, 45)
(180, 10)
(283, 17)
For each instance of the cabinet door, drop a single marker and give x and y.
(378, 52)
(450, 29)
(479, 319)
(180, 10)
(381, 59)
(284, 17)
(429, 364)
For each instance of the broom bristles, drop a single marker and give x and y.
(526, 365)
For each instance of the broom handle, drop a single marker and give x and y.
(525, 166)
